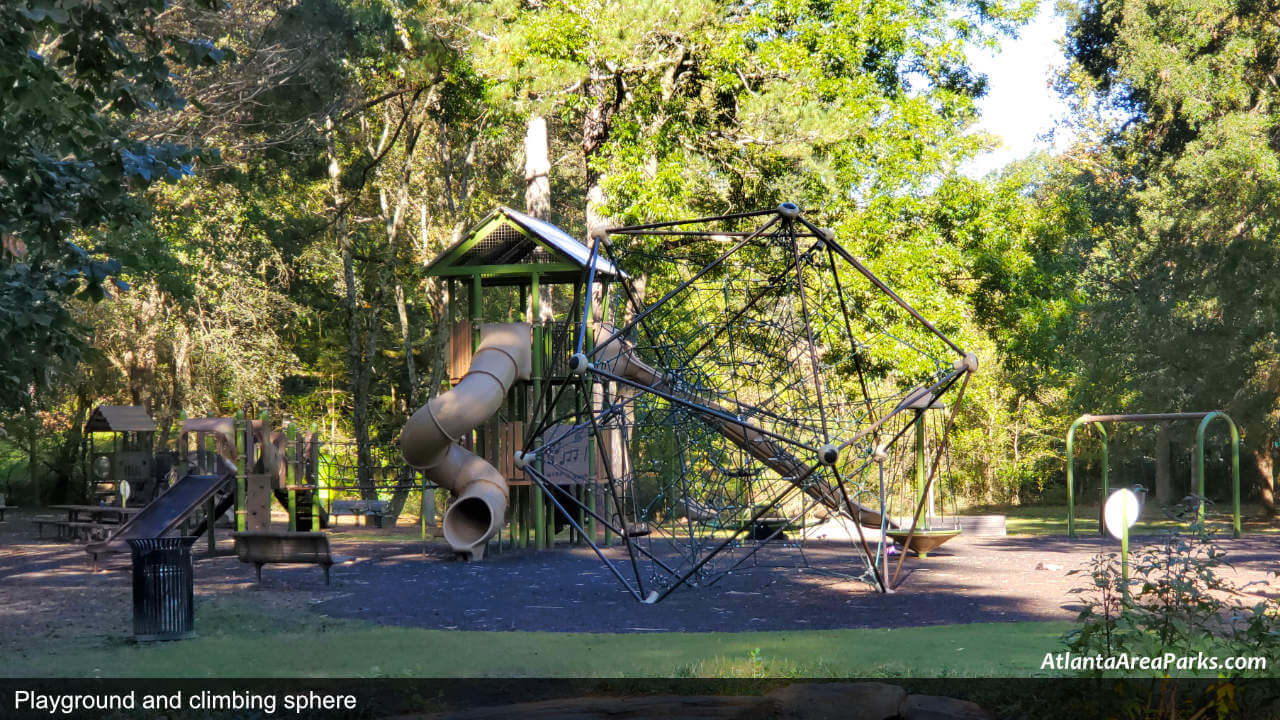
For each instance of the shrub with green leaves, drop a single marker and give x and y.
(1178, 604)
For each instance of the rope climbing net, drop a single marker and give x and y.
(747, 379)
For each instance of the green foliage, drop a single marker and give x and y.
(1179, 605)
(1177, 602)
(1135, 272)
(72, 75)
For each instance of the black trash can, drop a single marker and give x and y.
(163, 589)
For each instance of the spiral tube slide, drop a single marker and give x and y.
(429, 440)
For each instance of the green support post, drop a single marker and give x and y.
(242, 467)
(921, 472)
(423, 506)
(291, 433)
(535, 311)
(920, 465)
(1235, 468)
(1124, 550)
(1071, 460)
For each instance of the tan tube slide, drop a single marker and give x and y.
(619, 358)
(429, 439)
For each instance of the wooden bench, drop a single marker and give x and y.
(266, 546)
(376, 509)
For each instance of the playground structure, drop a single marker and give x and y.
(763, 392)
(1205, 418)
(129, 458)
(235, 464)
(502, 357)
(466, 439)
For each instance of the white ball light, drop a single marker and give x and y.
(1121, 511)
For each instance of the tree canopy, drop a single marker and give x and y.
(205, 206)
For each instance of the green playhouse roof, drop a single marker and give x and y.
(507, 247)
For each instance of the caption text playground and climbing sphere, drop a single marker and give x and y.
(266, 703)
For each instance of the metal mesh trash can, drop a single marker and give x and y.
(163, 588)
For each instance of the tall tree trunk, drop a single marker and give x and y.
(1264, 461)
(537, 169)
(406, 344)
(1164, 484)
(394, 219)
(604, 94)
(537, 192)
(361, 341)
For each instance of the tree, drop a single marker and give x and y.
(72, 76)
(1137, 275)
(1196, 170)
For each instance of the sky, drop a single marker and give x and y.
(1020, 106)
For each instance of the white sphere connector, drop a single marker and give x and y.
(827, 234)
(789, 210)
(880, 454)
(828, 454)
(522, 458)
(600, 235)
(968, 363)
(578, 363)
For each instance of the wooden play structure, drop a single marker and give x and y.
(225, 464)
(130, 456)
(522, 271)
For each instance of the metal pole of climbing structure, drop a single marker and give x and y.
(921, 472)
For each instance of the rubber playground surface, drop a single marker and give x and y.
(49, 593)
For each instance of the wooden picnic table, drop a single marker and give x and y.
(86, 522)
(101, 514)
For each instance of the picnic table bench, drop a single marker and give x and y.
(376, 509)
(267, 546)
(73, 529)
(86, 522)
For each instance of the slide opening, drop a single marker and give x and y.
(470, 520)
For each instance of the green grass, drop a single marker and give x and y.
(236, 638)
(1052, 520)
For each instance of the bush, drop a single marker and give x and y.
(1179, 604)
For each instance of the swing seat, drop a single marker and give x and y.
(923, 542)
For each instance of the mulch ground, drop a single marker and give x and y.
(49, 591)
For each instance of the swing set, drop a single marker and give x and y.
(1097, 422)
